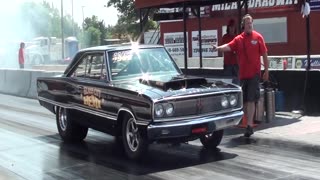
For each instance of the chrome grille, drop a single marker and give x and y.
(210, 104)
(185, 107)
(197, 106)
(200, 105)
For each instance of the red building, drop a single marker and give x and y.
(280, 22)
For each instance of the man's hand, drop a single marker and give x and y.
(215, 47)
(222, 48)
(265, 76)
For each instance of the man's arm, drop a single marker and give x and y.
(266, 67)
(222, 48)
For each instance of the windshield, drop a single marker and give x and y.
(142, 62)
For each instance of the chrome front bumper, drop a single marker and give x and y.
(177, 129)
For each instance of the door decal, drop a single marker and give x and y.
(91, 97)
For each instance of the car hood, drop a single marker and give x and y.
(160, 87)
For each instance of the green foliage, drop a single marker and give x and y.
(128, 24)
(127, 9)
(94, 32)
(36, 15)
(92, 36)
(97, 25)
(70, 30)
(45, 20)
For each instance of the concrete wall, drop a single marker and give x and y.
(22, 82)
(290, 82)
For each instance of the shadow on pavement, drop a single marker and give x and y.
(279, 144)
(280, 120)
(234, 136)
(105, 151)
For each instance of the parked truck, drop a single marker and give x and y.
(48, 50)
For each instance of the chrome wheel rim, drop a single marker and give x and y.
(207, 137)
(132, 135)
(63, 119)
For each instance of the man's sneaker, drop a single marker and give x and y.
(249, 131)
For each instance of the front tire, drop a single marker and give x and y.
(212, 140)
(68, 129)
(135, 144)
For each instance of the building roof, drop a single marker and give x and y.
(177, 3)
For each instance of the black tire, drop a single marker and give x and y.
(68, 129)
(134, 143)
(118, 140)
(212, 140)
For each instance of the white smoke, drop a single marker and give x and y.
(14, 29)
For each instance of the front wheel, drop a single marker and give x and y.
(135, 144)
(68, 129)
(212, 140)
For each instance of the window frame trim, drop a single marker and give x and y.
(84, 55)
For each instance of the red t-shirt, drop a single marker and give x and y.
(249, 48)
(21, 56)
(229, 58)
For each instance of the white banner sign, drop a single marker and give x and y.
(207, 38)
(255, 4)
(174, 43)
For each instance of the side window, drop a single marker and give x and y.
(96, 67)
(81, 68)
(91, 66)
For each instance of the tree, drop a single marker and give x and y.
(92, 36)
(68, 29)
(44, 20)
(128, 22)
(94, 31)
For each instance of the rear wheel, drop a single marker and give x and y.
(212, 140)
(68, 129)
(135, 144)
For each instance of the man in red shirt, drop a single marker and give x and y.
(21, 55)
(230, 62)
(249, 46)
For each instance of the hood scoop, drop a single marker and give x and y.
(176, 83)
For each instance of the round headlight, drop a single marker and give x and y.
(169, 109)
(233, 100)
(158, 110)
(224, 102)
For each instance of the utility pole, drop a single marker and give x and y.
(83, 18)
(62, 29)
(72, 18)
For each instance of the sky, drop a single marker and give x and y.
(89, 7)
(14, 33)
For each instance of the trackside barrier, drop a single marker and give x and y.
(17, 82)
(33, 88)
(2, 79)
(288, 62)
(32, 92)
(22, 82)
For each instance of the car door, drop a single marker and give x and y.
(90, 84)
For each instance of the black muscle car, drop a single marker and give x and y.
(139, 95)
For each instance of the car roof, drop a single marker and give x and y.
(119, 47)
